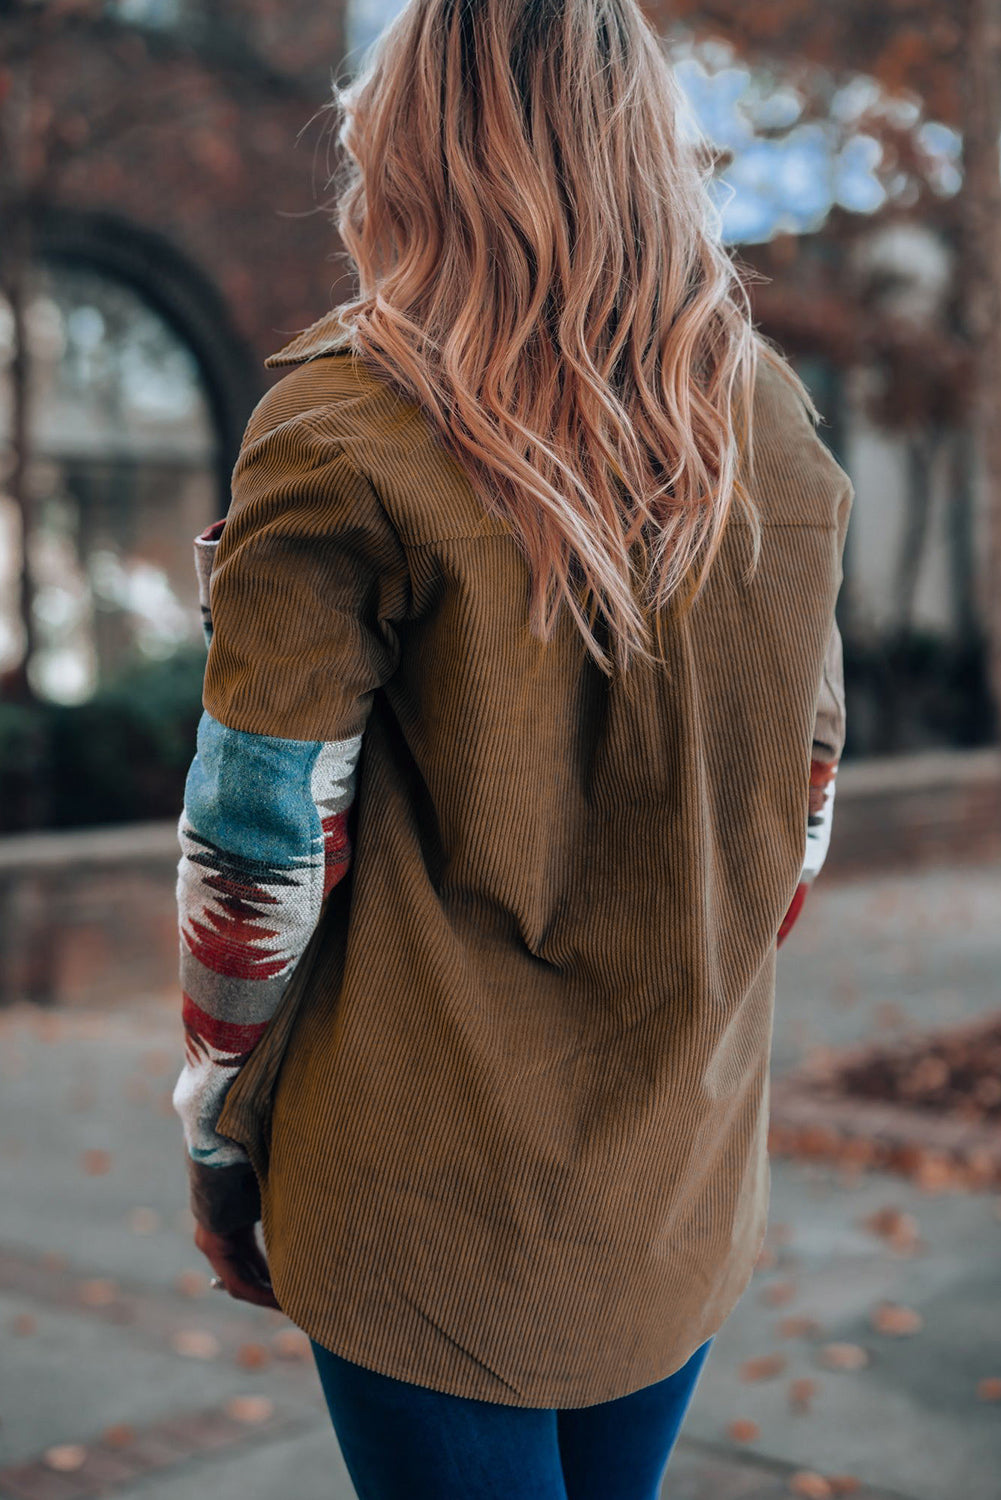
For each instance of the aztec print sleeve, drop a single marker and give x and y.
(305, 584)
(828, 743)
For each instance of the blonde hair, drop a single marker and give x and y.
(540, 268)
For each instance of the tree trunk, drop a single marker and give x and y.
(15, 271)
(980, 288)
(17, 683)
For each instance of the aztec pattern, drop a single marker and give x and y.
(264, 840)
(821, 816)
(818, 837)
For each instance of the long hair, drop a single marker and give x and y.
(540, 268)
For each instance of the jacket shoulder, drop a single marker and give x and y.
(326, 384)
(795, 477)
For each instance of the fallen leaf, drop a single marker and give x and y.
(812, 1486)
(935, 1172)
(98, 1292)
(95, 1163)
(891, 1317)
(25, 1323)
(65, 1457)
(797, 1327)
(844, 1356)
(763, 1368)
(844, 1484)
(53, 1260)
(250, 1408)
(118, 1436)
(779, 1293)
(743, 1430)
(899, 1229)
(989, 1389)
(292, 1343)
(196, 1343)
(801, 1393)
(253, 1356)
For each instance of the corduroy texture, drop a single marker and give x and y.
(509, 1121)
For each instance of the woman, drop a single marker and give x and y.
(523, 704)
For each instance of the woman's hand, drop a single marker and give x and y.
(238, 1260)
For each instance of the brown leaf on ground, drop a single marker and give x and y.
(118, 1436)
(891, 1224)
(95, 1163)
(844, 1484)
(65, 1457)
(25, 1323)
(801, 1393)
(840, 1356)
(253, 1356)
(291, 1343)
(935, 1172)
(797, 1327)
(811, 1485)
(989, 1389)
(99, 1291)
(779, 1293)
(195, 1343)
(743, 1430)
(765, 1367)
(893, 1318)
(250, 1409)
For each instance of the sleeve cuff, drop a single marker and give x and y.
(224, 1199)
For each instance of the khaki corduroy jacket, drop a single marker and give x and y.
(507, 1109)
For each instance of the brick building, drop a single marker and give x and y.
(190, 240)
(170, 258)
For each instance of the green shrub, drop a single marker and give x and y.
(121, 756)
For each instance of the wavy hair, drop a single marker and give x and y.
(540, 268)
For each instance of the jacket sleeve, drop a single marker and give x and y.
(301, 587)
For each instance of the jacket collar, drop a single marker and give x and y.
(325, 336)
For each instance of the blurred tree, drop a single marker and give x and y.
(44, 131)
(35, 143)
(947, 53)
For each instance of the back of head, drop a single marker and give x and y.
(540, 267)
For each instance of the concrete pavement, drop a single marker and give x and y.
(121, 1366)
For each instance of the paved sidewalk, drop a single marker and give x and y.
(135, 1380)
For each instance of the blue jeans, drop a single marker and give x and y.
(404, 1442)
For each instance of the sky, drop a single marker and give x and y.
(789, 180)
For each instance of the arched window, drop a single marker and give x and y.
(123, 473)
